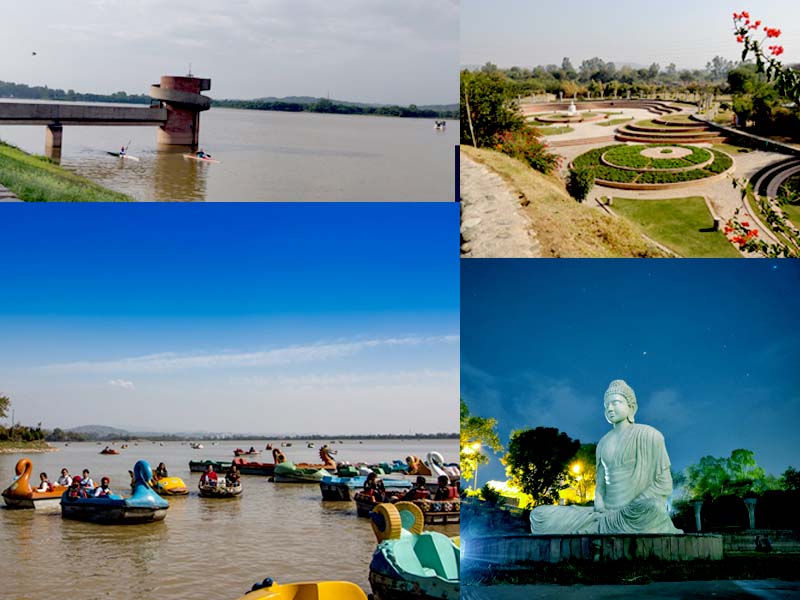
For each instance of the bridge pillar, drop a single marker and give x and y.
(184, 103)
(52, 141)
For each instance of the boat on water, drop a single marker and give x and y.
(196, 445)
(440, 125)
(410, 563)
(288, 472)
(221, 490)
(309, 590)
(164, 486)
(200, 158)
(252, 451)
(200, 466)
(20, 494)
(108, 450)
(125, 156)
(434, 512)
(343, 489)
(143, 506)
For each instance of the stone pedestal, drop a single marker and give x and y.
(507, 551)
(52, 141)
(697, 506)
(751, 511)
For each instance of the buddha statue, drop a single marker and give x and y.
(633, 479)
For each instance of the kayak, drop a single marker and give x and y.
(128, 156)
(193, 157)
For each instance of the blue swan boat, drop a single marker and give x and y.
(143, 506)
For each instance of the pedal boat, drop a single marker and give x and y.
(20, 494)
(312, 590)
(144, 506)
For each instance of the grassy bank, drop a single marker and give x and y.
(12, 447)
(564, 227)
(683, 225)
(37, 179)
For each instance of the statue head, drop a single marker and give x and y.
(618, 387)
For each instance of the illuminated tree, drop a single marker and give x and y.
(476, 433)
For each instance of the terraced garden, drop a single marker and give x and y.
(652, 166)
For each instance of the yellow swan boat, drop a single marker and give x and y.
(311, 590)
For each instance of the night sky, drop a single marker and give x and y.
(709, 346)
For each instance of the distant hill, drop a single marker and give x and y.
(98, 430)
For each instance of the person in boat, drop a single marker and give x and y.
(44, 484)
(86, 481)
(252, 450)
(419, 491)
(122, 151)
(202, 154)
(75, 489)
(445, 491)
(103, 490)
(65, 478)
(232, 477)
(161, 471)
(209, 477)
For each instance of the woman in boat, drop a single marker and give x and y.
(86, 481)
(65, 478)
(44, 484)
(445, 491)
(103, 490)
(161, 471)
(75, 489)
(209, 477)
(232, 476)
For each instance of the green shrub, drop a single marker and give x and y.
(579, 183)
(525, 145)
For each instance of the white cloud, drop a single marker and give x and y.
(123, 383)
(169, 361)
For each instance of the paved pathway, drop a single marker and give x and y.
(493, 224)
(720, 590)
(7, 195)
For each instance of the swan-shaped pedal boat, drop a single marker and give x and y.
(289, 472)
(409, 563)
(20, 494)
(311, 590)
(165, 486)
(143, 506)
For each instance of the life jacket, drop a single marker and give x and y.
(421, 494)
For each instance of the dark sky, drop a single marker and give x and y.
(709, 346)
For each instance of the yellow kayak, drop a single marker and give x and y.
(316, 590)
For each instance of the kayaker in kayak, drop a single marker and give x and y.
(202, 154)
(122, 151)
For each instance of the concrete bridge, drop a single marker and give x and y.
(175, 108)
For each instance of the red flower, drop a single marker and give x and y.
(745, 224)
(772, 32)
(776, 50)
(745, 14)
(753, 233)
(739, 39)
(757, 24)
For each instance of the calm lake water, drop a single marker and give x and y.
(267, 156)
(205, 548)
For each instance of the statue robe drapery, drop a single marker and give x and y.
(633, 484)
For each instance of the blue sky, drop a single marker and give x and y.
(363, 50)
(709, 346)
(685, 32)
(269, 318)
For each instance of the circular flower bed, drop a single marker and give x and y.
(631, 167)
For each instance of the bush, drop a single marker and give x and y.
(526, 146)
(579, 183)
(490, 495)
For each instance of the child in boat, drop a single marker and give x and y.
(86, 481)
(209, 477)
(65, 478)
(161, 471)
(44, 485)
(75, 490)
(445, 491)
(419, 491)
(103, 490)
(232, 477)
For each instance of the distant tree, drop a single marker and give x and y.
(709, 477)
(790, 479)
(718, 67)
(568, 69)
(5, 402)
(738, 474)
(476, 430)
(537, 460)
(491, 496)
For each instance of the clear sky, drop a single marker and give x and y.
(709, 347)
(685, 32)
(362, 50)
(271, 318)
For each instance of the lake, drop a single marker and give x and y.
(205, 548)
(267, 156)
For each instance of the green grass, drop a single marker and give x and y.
(554, 130)
(681, 224)
(37, 179)
(615, 122)
(792, 210)
(731, 149)
(7, 446)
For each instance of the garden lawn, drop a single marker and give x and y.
(681, 224)
(36, 179)
(614, 122)
(792, 211)
(554, 130)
